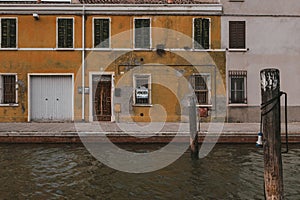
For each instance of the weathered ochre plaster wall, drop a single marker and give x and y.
(24, 62)
(122, 63)
(122, 30)
(42, 34)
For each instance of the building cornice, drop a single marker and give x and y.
(114, 9)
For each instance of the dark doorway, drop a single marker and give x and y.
(102, 97)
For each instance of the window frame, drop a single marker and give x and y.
(93, 34)
(73, 37)
(240, 74)
(150, 33)
(245, 35)
(149, 90)
(16, 89)
(17, 35)
(208, 85)
(209, 34)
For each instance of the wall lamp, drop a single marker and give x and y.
(36, 16)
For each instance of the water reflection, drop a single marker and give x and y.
(69, 171)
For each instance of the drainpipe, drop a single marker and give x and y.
(83, 63)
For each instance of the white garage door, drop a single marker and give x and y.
(51, 98)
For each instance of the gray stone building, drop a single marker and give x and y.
(260, 34)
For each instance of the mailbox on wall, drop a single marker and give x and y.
(203, 111)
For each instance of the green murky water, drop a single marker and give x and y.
(61, 171)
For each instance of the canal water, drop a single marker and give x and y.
(61, 171)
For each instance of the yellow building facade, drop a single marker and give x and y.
(82, 62)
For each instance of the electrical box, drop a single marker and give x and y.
(117, 92)
(79, 89)
(86, 90)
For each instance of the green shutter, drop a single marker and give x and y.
(197, 33)
(138, 34)
(97, 33)
(101, 33)
(201, 33)
(60, 32)
(4, 33)
(65, 33)
(142, 33)
(146, 33)
(8, 33)
(205, 33)
(69, 37)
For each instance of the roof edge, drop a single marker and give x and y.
(114, 9)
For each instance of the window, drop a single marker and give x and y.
(237, 84)
(8, 33)
(201, 85)
(237, 35)
(8, 89)
(65, 33)
(142, 89)
(101, 33)
(142, 33)
(201, 33)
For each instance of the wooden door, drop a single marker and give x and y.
(102, 98)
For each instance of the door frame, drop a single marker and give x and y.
(112, 74)
(29, 75)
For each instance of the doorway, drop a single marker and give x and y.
(101, 97)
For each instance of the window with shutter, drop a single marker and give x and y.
(142, 90)
(65, 33)
(8, 89)
(201, 85)
(101, 33)
(142, 33)
(238, 83)
(201, 33)
(8, 33)
(237, 34)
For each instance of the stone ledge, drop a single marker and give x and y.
(123, 138)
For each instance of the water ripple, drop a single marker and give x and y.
(70, 172)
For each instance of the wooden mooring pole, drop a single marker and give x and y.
(270, 93)
(193, 129)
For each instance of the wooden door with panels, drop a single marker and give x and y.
(102, 97)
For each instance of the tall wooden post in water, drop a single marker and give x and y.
(193, 129)
(270, 93)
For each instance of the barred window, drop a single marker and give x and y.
(101, 33)
(142, 33)
(65, 33)
(8, 33)
(201, 33)
(201, 86)
(142, 89)
(238, 86)
(237, 34)
(7, 89)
